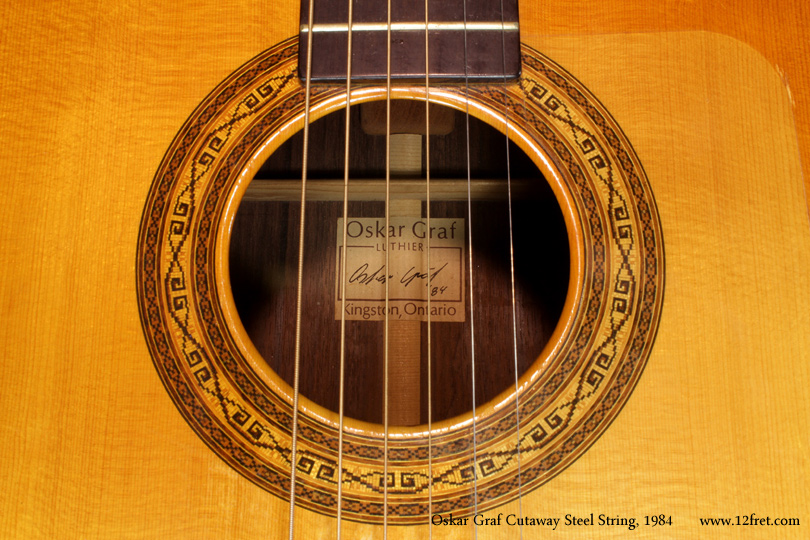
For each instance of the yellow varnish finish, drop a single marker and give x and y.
(93, 447)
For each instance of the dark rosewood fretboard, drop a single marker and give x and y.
(490, 48)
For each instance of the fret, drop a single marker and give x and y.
(475, 26)
(492, 40)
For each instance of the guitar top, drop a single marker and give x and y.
(714, 106)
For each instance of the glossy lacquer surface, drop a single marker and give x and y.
(713, 104)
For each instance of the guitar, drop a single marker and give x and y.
(94, 445)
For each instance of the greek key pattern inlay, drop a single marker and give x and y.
(249, 425)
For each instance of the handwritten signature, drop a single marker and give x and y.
(362, 276)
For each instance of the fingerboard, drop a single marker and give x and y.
(479, 41)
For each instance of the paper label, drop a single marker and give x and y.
(410, 281)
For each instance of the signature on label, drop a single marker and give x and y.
(361, 276)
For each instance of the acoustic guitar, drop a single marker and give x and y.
(572, 298)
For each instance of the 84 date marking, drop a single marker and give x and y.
(659, 520)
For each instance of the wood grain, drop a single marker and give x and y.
(91, 96)
(777, 30)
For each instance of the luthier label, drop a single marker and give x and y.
(412, 280)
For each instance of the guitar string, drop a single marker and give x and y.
(427, 262)
(342, 284)
(299, 286)
(387, 266)
(387, 294)
(470, 261)
(512, 276)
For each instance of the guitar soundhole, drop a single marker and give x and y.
(264, 259)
